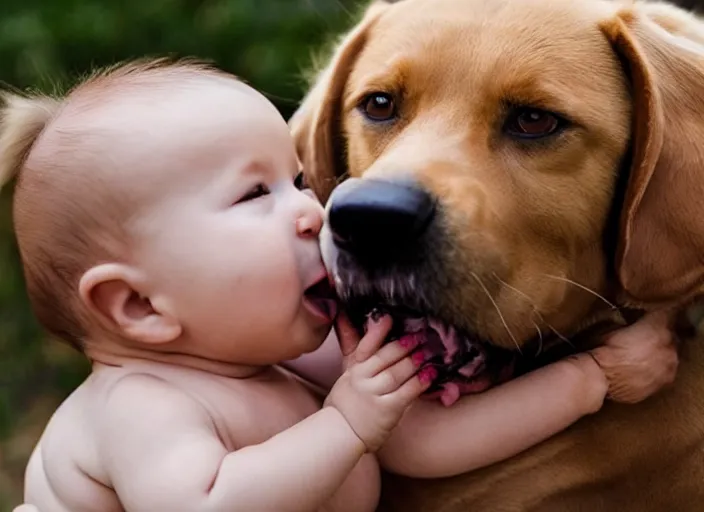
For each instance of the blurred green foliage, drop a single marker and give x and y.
(46, 44)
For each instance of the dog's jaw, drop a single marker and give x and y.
(405, 292)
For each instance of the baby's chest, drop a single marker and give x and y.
(250, 413)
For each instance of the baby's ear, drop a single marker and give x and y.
(114, 295)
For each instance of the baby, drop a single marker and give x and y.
(163, 234)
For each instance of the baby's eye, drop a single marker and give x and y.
(257, 191)
(300, 181)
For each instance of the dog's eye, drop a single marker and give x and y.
(379, 106)
(532, 123)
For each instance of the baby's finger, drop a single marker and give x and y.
(346, 334)
(397, 374)
(388, 355)
(377, 331)
(414, 387)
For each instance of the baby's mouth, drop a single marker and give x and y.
(321, 300)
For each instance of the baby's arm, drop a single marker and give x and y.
(435, 441)
(164, 453)
(492, 426)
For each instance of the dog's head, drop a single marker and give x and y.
(510, 161)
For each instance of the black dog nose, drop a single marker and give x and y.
(370, 217)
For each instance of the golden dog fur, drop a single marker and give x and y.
(530, 223)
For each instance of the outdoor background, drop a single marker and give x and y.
(47, 42)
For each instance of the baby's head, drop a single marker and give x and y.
(156, 207)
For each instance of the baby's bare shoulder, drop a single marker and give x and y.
(117, 413)
(66, 470)
(111, 398)
(144, 397)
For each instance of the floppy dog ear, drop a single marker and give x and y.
(660, 257)
(316, 124)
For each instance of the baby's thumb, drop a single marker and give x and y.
(347, 335)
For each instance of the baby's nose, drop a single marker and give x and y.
(310, 219)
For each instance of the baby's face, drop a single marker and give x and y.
(229, 242)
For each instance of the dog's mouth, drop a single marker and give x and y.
(465, 364)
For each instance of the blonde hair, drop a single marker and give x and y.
(66, 216)
(22, 120)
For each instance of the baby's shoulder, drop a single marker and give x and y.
(123, 409)
(141, 391)
(152, 398)
(66, 464)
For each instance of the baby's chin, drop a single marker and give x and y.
(309, 332)
(316, 338)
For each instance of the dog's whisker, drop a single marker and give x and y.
(540, 336)
(520, 294)
(533, 312)
(561, 336)
(557, 333)
(585, 288)
(498, 310)
(513, 288)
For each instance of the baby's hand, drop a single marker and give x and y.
(640, 359)
(379, 382)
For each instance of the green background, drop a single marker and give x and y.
(50, 43)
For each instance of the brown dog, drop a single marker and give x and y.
(544, 159)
